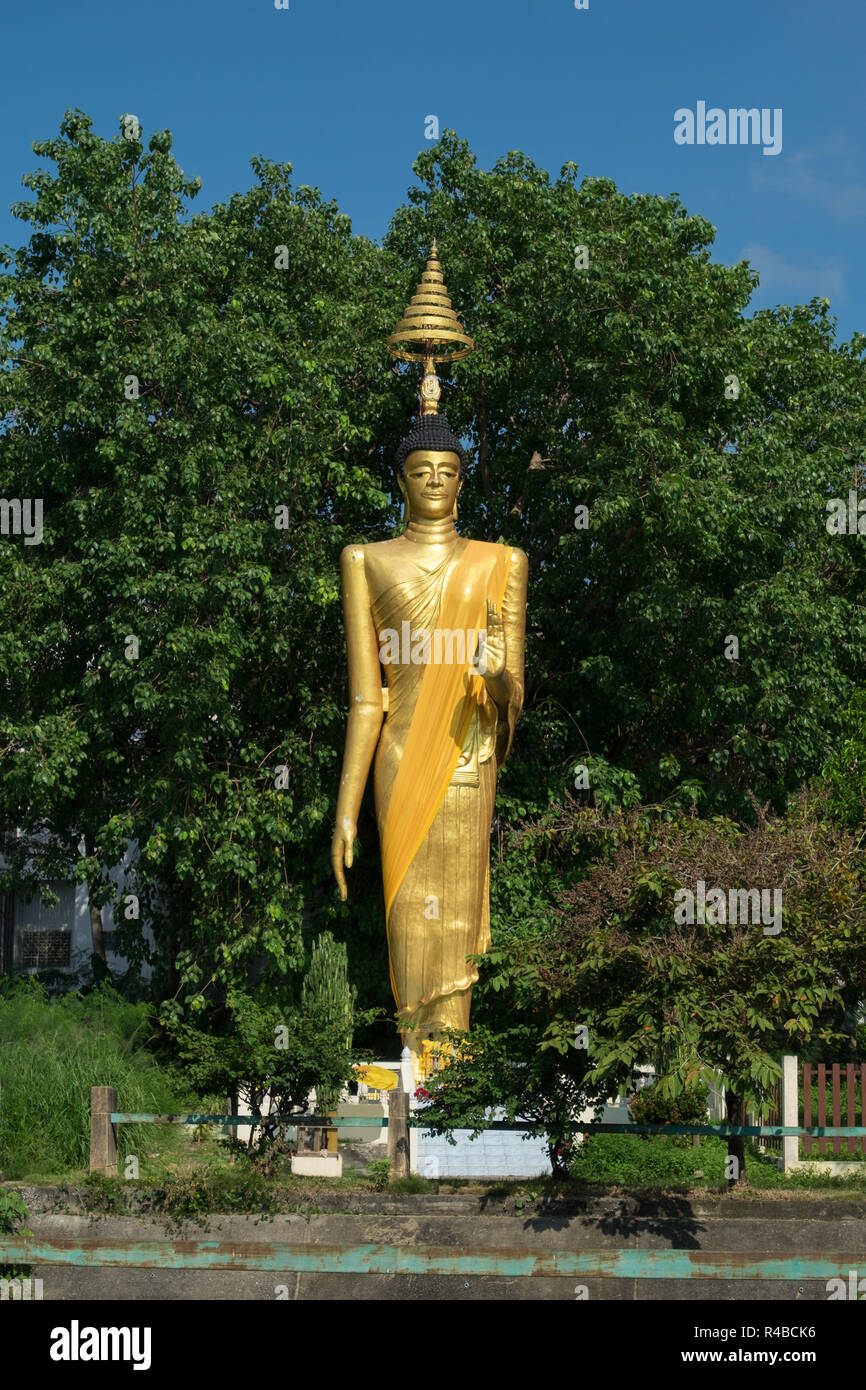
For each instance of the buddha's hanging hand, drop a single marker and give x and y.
(342, 852)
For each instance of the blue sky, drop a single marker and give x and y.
(341, 89)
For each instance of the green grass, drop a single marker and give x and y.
(635, 1160)
(199, 1192)
(52, 1051)
(626, 1160)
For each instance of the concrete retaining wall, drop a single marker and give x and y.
(741, 1227)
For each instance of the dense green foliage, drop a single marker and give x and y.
(707, 1000)
(270, 1052)
(258, 388)
(504, 1070)
(326, 992)
(52, 1051)
(650, 1106)
(607, 387)
(845, 770)
(204, 404)
(633, 1161)
(648, 1160)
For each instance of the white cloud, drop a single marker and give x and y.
(827, 176)
(777, 274)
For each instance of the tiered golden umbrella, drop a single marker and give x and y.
(430, 323)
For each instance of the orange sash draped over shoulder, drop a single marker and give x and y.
(447, 698)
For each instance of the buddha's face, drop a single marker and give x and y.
(431, 484)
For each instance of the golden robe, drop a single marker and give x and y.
(442, 742)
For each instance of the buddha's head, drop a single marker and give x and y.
(430, 464)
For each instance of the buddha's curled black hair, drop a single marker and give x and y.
(430, 432)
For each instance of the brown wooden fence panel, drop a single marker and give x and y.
(834, 1077)
(822, 1103)
(837, 1104)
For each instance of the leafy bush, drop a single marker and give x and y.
(491, 1073)
(647, 1160)
(649, 1107)
(845, 770)
(328, 999)
(13, 1210)
(271, 1055)
(379, 1169)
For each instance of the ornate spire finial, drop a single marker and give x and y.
(430, 321)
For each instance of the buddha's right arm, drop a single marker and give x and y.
(365, 689)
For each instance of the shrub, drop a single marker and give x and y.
(649, 1107)
(631, 1160)
(268, 1051)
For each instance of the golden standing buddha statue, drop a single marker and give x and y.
(443, 616)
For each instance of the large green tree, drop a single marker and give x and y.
(626, 378)
(718, 985)
(205, 406)
(845, 769)
(197, 403)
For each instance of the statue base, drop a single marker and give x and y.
(317, 1165)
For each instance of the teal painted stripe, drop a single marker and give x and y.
(768, 1131)
(416, 1120)
(125, 1117)
(386, 1259)
(588, 1127)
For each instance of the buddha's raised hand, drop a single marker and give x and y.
(490, 653)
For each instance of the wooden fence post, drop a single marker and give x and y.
(822, 1104)
(103, 1134)
(398, 1133)
(232, 1108)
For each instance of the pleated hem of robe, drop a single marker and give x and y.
(452, 865)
